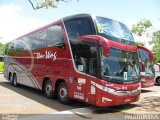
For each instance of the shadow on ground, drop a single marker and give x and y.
(115, 109)
(39, 97)
(145, 91)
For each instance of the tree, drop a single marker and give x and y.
(139, 44)
(156, 46)
(37, 4)
(140, 28)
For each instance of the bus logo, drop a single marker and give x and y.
(47, 55)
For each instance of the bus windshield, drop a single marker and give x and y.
(113, 30)
(120, 67)
(144, 57)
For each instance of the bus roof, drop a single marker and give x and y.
(64, 19)
(86, 15)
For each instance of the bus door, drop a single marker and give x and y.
(85, 54)
(85, 60)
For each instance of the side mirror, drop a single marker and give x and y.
(97, 39)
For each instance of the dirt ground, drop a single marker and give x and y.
(147, 105)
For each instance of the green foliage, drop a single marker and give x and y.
(156, 46)
(46, 4)
(140, 28)
(1, 45)
(139, 44)
(37, 4)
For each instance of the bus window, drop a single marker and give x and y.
(11, 48)
(144, 57)
(78, 27)
(114, 30)
(19, 46)
(36, 40)
(85, 57)
(55, 37)
(118, 63)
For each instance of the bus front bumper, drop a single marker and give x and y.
(108, 99)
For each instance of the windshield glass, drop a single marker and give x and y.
(120, 66)
(144, 57)
(113, 30)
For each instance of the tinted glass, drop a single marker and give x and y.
(38, 39)
(85, 57)
(144, 57)
(55, 36)
(78, 27)
(48, 37)
(120, 66)
(84, 53)
(19, 46)
(114, 30)
(10, 48)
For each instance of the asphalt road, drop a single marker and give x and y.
(24, 103)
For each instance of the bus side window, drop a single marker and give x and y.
(78, 27)
(55, 37)
(84, 27)
(19, 46)
(11, 48)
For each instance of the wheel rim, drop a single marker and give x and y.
(48, 89)
(63, 93)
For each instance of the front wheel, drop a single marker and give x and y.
(63, 93)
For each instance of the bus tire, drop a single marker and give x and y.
(62, 93)
(10, 77)
(14, 80)
(158, 81)
(48, 89)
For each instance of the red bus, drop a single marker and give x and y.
(147, 68)
(157, 73)
(82, 57)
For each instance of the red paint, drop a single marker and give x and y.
(63, 69)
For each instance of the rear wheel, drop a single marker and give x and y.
(48, 89)
(158, 80)
(63, 93)
(10, 77)
(14, 80)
